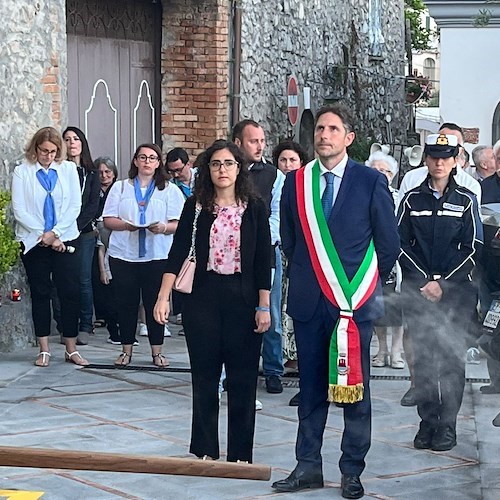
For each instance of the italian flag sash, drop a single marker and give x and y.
(345, 371)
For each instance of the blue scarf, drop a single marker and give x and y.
(186, 190)
(48, 180)
(143, 202)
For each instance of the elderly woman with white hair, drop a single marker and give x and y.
(393, 318)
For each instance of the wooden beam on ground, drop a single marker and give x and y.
(44, 458)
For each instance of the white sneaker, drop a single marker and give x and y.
(143, 330)
(258, 405)
(166, 332)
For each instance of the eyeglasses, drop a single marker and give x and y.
(174, 171)
(151, 158)
(227, 164)
(47, 152)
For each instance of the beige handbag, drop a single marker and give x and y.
(184, 281)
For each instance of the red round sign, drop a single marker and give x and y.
(293, 100)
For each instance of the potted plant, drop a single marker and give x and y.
(418, 87)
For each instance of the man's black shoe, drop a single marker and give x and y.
(423, 439)
(273, 384)
(295, 400)
(351, 486)
(299, 480)
(444, 439)
(496, 421)
(489, 389)
(409, 398)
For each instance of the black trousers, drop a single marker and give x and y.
(313, 341)
(104, 300)
(45, 268)
(131, 280)
(219, 324)
(439, 336)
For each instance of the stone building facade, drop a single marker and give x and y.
(192, 68)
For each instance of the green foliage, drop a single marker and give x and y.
(9, 247)
(359, 150)
(420, 36)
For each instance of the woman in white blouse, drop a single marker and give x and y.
(142, 213)
(46, 201)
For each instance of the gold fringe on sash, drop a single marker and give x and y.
(345, 393)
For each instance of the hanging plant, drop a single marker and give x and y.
(9, 247)
(418, 87)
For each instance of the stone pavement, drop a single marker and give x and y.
(149, 412)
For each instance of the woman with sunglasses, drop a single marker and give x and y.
(228, 308)
(46, 202)
(142, 213)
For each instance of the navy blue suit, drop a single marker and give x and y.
(363, 210)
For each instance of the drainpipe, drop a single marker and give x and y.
(236, 62)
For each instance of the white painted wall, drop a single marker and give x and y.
(470, 77)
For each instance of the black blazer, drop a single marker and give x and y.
(255, 242)
(90, 202)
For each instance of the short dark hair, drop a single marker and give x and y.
(342, 111)
(453, 126)
(240, 127)
(177, 154)
(288, 144)
(160, 175)
(204, 191)
(85, 158)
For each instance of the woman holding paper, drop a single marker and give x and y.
(142, 213)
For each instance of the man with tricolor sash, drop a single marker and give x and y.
(339, 233)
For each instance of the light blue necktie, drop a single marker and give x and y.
(327, 198)
(48, 180)
(142, 203)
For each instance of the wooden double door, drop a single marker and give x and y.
(114, 75)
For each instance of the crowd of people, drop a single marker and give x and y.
(297, 261)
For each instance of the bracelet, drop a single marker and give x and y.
(165, 230)
(264, 309)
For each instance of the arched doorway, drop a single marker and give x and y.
(114, 74)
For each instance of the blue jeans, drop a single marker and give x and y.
(86, 254)
(272, 347)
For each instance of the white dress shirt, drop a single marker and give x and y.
(28, 198)
(164, 206)
(337, 171)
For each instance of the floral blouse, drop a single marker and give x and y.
(225, 253)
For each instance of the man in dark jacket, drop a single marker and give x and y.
(268, 181)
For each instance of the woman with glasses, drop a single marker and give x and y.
(46, 202)
(228, 308)
(393, 317)
(78, 152)
(142, 213)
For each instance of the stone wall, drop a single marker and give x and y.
(32, 95)
(309, 38)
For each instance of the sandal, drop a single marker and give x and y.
(78, 360)
(44, 362)
(160, 360)
(124, 359)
